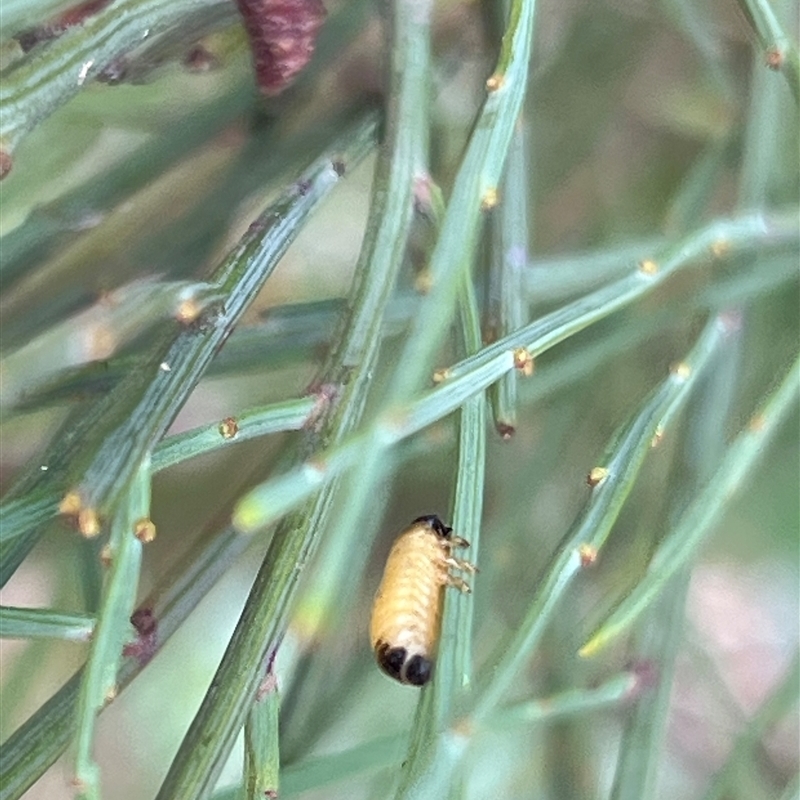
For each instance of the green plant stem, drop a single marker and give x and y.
(507, 311)
(321, 772)
(697, 522)
(40, 740)
(45, 623)
(467, 511)
(289, 415)
(478, 178)
(658, 642)
(261, 627)
(261, 754)
(623, 462)
(614, 692)
(748, 231)
(97, 451)
(557, 278)
(22, 515)
(427, 769)
(272, 499)
(780, 51)
(113, 630)
(37, 86)
(343, 555)
(658, 645)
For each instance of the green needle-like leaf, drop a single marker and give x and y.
(278, 496)
(617, 473)
(779, 49)
(432, 758)
(44, 623)
(622, 185)
(507, 301)
(38, 86)
(113, 627)
(100, 449)
(261, 754)
(262, 626)
(697, 523)
(287, 416)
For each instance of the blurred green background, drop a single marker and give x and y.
(643, 121)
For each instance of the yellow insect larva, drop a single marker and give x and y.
(406, 615)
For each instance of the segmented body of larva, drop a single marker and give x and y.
(406, 615)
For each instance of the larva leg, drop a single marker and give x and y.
(458, 583)
(457, 541)
(459, 564)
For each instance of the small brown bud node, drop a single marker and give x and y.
(596, 476)
(658, 437)
(70, 504)
(144, 530)
(757, 423)
(228, 428)
(495, 82)
(523, 361)
(6, 162)
(188, 311)
(681, 370)
(587, 554)
(720, 248)
(200, 59)
(648, 267)
(775, 58)
(505, 430)
(88, 522)
(491, 197)
(423, 282)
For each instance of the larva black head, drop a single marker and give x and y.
(394, 661)
(435, 524)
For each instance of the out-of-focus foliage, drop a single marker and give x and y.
(640, 244)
